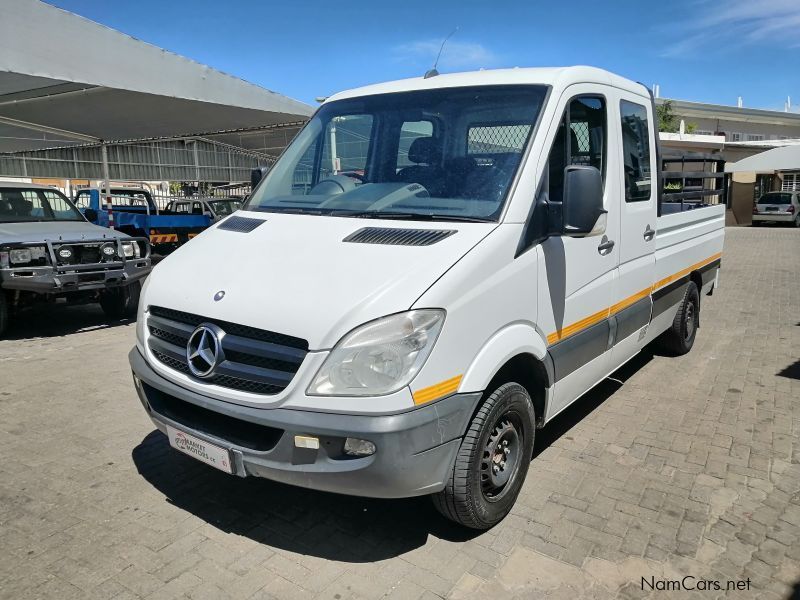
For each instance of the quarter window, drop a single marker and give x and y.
(635, 151)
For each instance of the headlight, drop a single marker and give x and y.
(130, 250)
(22, 256)
(379, 357)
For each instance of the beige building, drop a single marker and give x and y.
(733, 134)
(737, 124)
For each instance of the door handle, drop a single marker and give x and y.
(649, 234)
(606, 245)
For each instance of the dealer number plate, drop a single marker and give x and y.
(200, 449)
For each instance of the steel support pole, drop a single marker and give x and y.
(107, 185)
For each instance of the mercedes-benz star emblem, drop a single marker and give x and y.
(204, 350)
(219, 295)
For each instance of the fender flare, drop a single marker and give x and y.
(512, 340)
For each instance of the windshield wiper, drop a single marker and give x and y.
(289, 210)
(408, 216)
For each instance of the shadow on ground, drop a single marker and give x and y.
(57, 320)
(792, 371)
(331, 526)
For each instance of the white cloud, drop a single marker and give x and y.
(455, 55)
(707, 25)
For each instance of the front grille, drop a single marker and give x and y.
(82, 254)
(255, 360)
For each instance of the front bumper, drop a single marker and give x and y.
(47, 280)
(415, 449)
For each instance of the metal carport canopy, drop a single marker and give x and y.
(783, 158)
(67, 80)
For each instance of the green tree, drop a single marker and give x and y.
(668, 122)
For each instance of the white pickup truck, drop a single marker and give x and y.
(432, 270)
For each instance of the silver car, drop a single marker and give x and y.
(777, 207)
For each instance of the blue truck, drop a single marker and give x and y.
(135, 213)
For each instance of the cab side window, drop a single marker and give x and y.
(580, 140)
(635, 151)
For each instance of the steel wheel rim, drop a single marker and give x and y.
(501, 458)
(690, 320)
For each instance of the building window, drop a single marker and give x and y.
(791, 182)
(754, 137)
(734, 137)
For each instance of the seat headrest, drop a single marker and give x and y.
(424, 150)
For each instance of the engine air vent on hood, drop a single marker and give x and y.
(240, 224)
(398, 237)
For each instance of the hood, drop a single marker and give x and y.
(56, 231)
(294, 275)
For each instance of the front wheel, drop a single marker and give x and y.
(492, 461)
(121, 302)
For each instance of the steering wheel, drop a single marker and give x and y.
(354, 175)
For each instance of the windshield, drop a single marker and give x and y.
(433, 154)
(32, 204)
(224, 207)
(776, 198)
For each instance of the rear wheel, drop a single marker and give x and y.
(679, 338)
(492, 462)
(121, 302)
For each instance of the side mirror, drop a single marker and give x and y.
(582, 211)
(256, 175)
(90, 214)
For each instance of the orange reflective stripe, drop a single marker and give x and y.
(439, 390)
(614, 309)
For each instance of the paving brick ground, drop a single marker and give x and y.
(679, 466)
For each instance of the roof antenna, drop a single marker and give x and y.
(433, 72)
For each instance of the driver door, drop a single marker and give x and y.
(576, 275)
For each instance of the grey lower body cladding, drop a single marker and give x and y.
(570, 354)
(415, 449)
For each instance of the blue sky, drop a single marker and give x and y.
(701, 50)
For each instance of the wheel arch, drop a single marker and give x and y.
(516, 353)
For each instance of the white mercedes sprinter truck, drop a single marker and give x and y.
(432, 270)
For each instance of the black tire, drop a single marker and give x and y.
(472, 496)
(3, 313)
(679, 338)
(121, 302)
